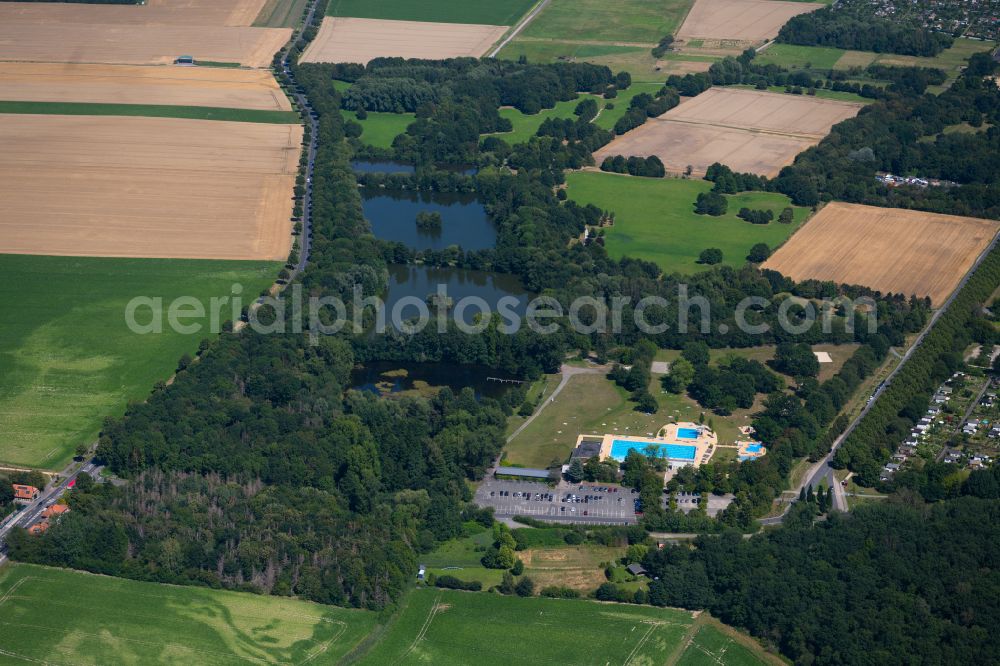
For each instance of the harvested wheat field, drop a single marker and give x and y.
(153, 33)
(747, 130)
(130, 84)
(888, 249)
(138, 45)
(146, 187)
(152, 12)
(741, 20)
(360, 40)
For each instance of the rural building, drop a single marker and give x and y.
(636, 569)
(27, 493)
(524, 473)
(184, 60)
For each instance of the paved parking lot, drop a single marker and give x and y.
(567, 502)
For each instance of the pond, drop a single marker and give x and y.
(422, 281)
(363, 166)
(464, 222)
(397, 377)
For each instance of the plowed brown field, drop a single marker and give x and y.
(146, 187)
(888, 249)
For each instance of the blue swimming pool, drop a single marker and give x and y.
(687, 433)
(678, 452)
(754, 448)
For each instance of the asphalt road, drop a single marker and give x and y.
(30, 514)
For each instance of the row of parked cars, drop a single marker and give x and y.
(538, 497)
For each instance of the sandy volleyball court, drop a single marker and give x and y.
(146, 187)
(747, 130)
(361, 40)
(127, 84)
(741, 20)
(888, 249)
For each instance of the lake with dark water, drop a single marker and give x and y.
(388, 377)
(464, 222)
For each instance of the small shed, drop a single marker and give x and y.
(636, 569)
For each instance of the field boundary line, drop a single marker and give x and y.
(12, 589)
(326, 646)
(753, 130)
(8, 653)
(653, 626)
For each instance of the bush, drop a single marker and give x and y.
(452, 583)
(559, 592)
(525, 587)
(759, 253)
(711, 256)
(711, 203)
(573, 538)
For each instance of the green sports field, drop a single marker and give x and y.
(381, 128)
(487, 12)
(655, 219)
(644, 21)
(151, 111)
(447, 627)
(57, 616)
(67, 359)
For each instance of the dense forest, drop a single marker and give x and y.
(891, 583)
(848, 28)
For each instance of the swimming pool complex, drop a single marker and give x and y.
(688, 433)
(677, 452)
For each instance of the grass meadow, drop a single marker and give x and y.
(151, 111)
(655, 219)
(380, 128)
(67, 359)
(448, 627)
(61, 616)
(495, 12)
(635, 21)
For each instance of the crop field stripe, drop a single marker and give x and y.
(150, 111)
(486, 12)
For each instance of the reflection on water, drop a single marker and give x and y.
(463, 219)
(391, 377)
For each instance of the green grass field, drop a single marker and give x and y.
(151, 111)
(655, 219)
(448, 627)
(61, 616)
(820, 94)
(644, 21)
(495, 12)
(280, 14)
(799, 57)
(67, 359)
(381, 128)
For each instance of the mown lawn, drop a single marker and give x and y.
(151, 111)
(67, 358)
(495, 12)
(62, 616)
(655, 219)
(799, 57)
(381, 128)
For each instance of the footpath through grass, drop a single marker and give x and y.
(67, 358)
(493, 12)
(60, 616)
(655, 219)
(151, 111)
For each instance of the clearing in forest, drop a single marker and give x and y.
(360, 40)
(888, 249)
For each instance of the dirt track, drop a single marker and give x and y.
(146, 187)
(747, 130)
(361, 40)
(743, 20)
(128, 84)
(155, 33)
(888, 249)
